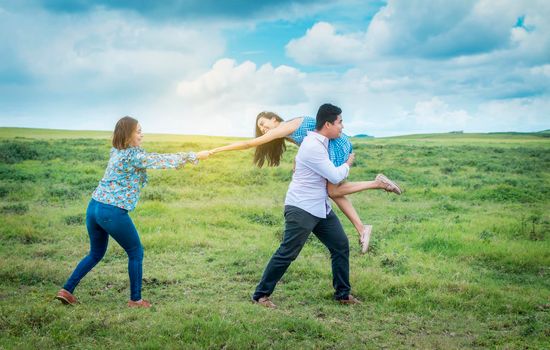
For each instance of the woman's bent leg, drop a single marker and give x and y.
(345, 188)
(122, 229)
(349, 211)
(98, 245)
(347, 208)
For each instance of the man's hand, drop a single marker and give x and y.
(351, 159)
(203, 154)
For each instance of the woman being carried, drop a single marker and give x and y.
(271, 133)
(116, 195)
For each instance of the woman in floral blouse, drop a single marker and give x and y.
(116, 195)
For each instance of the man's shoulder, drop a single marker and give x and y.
(310, 141)
(313, 136)
(308, 138)
(311, 148)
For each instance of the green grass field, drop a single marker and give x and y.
(460, 260)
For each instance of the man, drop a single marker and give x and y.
(307, 210)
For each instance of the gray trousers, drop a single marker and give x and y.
(298, 225)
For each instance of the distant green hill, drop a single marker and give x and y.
(490, 135)
(544, 133)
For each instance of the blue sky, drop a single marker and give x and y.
(209, 67)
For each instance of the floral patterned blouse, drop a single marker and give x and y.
(126, 174)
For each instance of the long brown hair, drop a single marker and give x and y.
(271, 151)
(124, 129)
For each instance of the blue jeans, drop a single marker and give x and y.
(103, 220)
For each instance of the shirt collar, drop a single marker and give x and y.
(316, 135)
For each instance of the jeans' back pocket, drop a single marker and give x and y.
(106, 213)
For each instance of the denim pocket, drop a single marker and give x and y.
(104, 214)
(109, 213)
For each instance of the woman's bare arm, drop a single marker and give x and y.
(283, 130)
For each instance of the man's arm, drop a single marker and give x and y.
(316, 158)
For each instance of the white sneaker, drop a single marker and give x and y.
(365, 238)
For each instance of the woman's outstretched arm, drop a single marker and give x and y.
(145, 160)
(283, 130)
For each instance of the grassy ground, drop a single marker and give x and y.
(461, 260)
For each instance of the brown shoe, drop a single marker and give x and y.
(389, 185)
(140, 303)
(66, 297)
(350, 300)
(365, 238)
(265, 301)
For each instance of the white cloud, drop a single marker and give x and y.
(110, 48)
(230, 95)
(436, 115)
(321, 45)
(95, 66)
(417, 67)
(520, 114)
(432, 29)
(543, 70)
(227, 81)
(428, 66)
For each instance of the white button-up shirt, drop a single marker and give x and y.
(308, 188)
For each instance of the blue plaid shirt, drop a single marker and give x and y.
(338, 149)
(126, 174)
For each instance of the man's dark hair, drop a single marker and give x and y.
(326, 113)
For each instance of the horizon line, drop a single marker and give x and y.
(360, 135)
